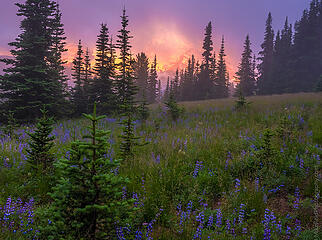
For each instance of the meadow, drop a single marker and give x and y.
(215, 173)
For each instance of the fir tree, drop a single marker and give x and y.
(79, 99)
(102, 89)
(153, 80)
(205, 84)
(87, 80)
(34, 77)
(167, 89)
(222, 80)
(306, 56)
(266, 58)
(245, 73)
(126, 88)
(159, 91)
(281, 65)
(56, 63)
(141, 73)
(39, 155)
(87, 200)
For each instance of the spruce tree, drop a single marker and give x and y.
(222, 80)
(87, 80)
(245, 73)
(306, 56)
(266, 58)
(102, 89)
(159, 97)
(205, 84)
(57, 64)
(153, 80)
(87, 200)
(79, 99)
(281, 75)
(40, 157)
(34, 76)
(141, 73)
(126, 89)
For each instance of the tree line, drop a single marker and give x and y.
(289, 62)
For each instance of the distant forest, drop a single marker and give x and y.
(290, 61)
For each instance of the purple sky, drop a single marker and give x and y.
(172, 29)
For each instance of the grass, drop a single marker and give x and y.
(245, 163)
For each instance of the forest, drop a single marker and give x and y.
(112, 152)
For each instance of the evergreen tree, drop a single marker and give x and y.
(205, 84)
(176, 85)
(126, 88)
(87, 79)
(79, 99)
(102, 90)
(153, 80)
(266, 58)
(141, 73)
(167, 89)
(159, 91)
(222, 80)
(39, 155)
(281, 64)
(306, 56)
(56, 63)
(34, 77)
(87, 200)
(245, 73)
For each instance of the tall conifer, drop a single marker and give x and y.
(266, 58)
(245, 73)
(34, 77)
(222, 79)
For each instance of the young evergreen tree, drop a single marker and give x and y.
(102, 89)
(222, 80)
(31, 80)
(266, 58)
(40, 157)
(78, 97)
(141, 73)
(245, 73)
(175, 85)
(153, 80)
(87, 200)
(126, 89)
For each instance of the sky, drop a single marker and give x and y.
(171, 29)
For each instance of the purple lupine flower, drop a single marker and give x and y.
(266, 222)
(198, 233)
(218, 218)
(237, 185)
(197, 168)
(297, 198)
(241, 214)
(210, 221)
(297, 227)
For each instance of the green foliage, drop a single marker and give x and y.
(34, 77)
(87, 200)
(241, 102)
(143, 111)
(11, 125)
(174, 110)
(40, 157)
